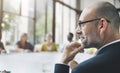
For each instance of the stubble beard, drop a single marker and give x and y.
(88, 44)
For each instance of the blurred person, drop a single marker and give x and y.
(2, 48)
(70, 37)
(69, 40)
(98, 27)
(48, 45)
(23, 45)
(4, 71)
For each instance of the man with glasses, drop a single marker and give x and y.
(98, 27)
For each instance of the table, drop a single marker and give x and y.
(42, 62)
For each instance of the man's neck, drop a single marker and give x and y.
(117, 40)
(110, 38)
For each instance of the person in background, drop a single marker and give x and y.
(98, 27)
(48, 45)
(69, 40)
(2, 48)
(70, 37)
(23, 45)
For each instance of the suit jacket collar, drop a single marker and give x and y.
(111, 43)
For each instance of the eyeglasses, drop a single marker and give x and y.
(81, 23)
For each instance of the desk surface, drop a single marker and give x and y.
(42, 62)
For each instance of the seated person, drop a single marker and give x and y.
(48, 45)
(69, 40)
(23, 45)
(2, 47)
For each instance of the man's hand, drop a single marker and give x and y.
(70, 51)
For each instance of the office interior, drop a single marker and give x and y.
(37, 18)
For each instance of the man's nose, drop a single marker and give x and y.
(78, 30)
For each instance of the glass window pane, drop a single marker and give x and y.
(0, 2)
(27, 26)
(72, 3)
(28, 8)
(40, 8)
(40, 22)
(65, 22)
(10, 28)
(49, 15)
(13, 26)
(59, 31)
(73, 22)
(117, 3)
(11, 6)
(66, 2)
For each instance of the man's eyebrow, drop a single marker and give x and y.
(81, 22)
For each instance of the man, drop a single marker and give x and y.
(69, 40)
(70, 37)
(2, 49)
(98, 27)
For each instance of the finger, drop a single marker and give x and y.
(82, 50)
(77, 50)
(73, 45)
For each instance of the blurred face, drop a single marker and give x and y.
(24, 38)
(49, 37)
(87, 29)
(70, 38)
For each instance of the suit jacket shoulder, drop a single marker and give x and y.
(106, 61)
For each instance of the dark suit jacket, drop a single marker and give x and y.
(107, 60)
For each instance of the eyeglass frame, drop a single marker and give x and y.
(81, 23)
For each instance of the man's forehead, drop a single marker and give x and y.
(83, 14)
(86, 14)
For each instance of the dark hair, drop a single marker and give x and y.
(71, 34)
(108, 11)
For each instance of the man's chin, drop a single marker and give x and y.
(85, 45)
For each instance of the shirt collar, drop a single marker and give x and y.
(106, 45)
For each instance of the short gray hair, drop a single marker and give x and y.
(108, 11)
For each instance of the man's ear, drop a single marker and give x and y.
(103, 25)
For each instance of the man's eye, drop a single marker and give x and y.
(82, 25)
